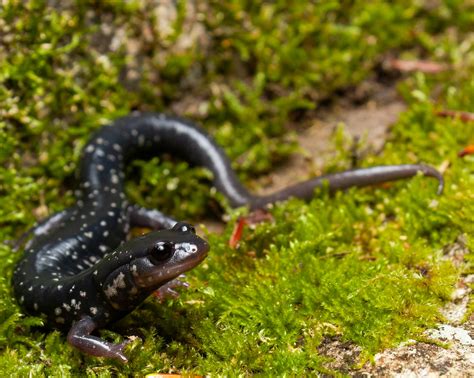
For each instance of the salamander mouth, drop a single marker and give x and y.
(190, 262)
(185, 266)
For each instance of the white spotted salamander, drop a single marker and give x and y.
(80, 273)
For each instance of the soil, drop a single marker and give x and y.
(366, 114)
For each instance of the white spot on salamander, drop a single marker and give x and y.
(75, 304)
(186, 248)
(93, 310)
(58, 311)
(88, 234)
(117, 283)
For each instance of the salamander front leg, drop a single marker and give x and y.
(154, 219)
(79, 336)
(167, 290)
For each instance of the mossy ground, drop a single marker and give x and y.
(365, 265)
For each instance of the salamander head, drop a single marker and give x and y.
(168, 254)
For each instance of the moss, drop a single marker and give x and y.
(364, 266)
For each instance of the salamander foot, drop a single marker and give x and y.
(167, 290)
(79, 336)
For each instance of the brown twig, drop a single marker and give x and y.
(463, 116)
(416, 65)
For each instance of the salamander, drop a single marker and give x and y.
(79, 271)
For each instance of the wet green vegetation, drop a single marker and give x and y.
(367, 266)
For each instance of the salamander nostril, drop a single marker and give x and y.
(184, 227)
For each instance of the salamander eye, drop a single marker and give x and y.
(184, 227)
(160, 252)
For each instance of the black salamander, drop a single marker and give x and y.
(80, 273)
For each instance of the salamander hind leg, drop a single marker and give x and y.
(79, 336)
(154, 219)
(42, 228)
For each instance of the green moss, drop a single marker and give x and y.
(364, 266)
